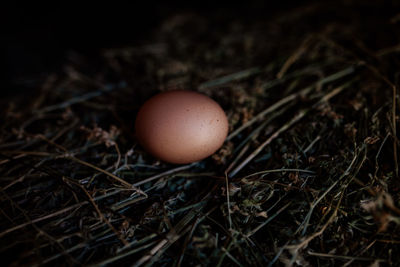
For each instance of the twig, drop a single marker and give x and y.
(278, 170)
(263, 113)
(119, 155)
(360, 253)
(342, 257)
(388, 50)
(304, 224)
(308, 70)
(292, 97)
(102, 217)
(228, 202)
(22, 178)
(307, 240)
(312, 144)
(123, 255)
(286, 126)
(295, 56)
(127, 185)
(252, 136)
(396, 163)
(229, 78)
(179, 230)
(252, 232)
(57, 213)
(51, 215)
(79, 99)
(231, 257)
(378, 154)
(169, 172)
(40, 231)
(15, 157)
(195, 224)
(238, 157)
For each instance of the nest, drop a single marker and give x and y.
(308, 176)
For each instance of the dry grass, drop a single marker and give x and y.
(307, 177)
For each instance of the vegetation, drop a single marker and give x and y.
(308, 176)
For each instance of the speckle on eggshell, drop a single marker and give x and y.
(181, 126)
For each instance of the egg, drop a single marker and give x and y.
(181, 126)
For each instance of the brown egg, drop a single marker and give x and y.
(181, 126)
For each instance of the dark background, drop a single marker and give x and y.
(36, 39)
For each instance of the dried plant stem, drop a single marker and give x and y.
(252, 232)
(76, 100)
(304, 224)
(360, 252)
(343, 257)
(51, 215)
(286, 126)
(395, 158)
(290, 98)
(278, 170)
(263, 114)
(179, 230)
(295, 56)
(102, 217)
(163, 174)
(304, 243)
(125, 183)
(228, 203)
(40, 231)
(229, 78)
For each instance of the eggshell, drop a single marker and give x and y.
(181, 126)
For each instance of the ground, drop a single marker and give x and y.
(308, 176)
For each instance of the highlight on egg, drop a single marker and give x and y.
(181, 126)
